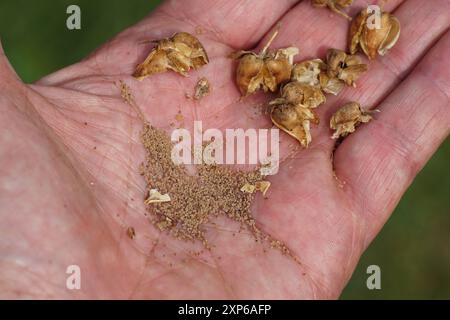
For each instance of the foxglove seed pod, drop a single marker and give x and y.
(373, 40)
(179, 53)
(347, 118)
(266, 70)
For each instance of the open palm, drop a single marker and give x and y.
(70, 155)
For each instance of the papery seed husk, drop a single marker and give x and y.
(307, 72)
(249, 75)
(335, 60)
(279, 71)
(330, 85)
(156, 197)
(347, 68)
(266, 70)
(300, 94)
(350, 74)
(356, 29)
(392, 37)
(345, 120)
(295, 121)
(374, 41)
(179, 53)
(202, 88)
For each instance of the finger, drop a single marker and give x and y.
(237, 23)
(7, 73)
(219, 25)
(422, 23)
(380, 161)
(419, 32)
(314, 30)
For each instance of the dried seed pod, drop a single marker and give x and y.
(330, 85)
(347, 118)
(347, 68)
(202, 88)
(266, 70)
(300, 94)
(373, 40)
(334, 5)
(294, 120)
(307, 72)
(179, 53)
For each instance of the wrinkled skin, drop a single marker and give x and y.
(70, 152)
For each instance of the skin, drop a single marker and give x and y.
(70, 152)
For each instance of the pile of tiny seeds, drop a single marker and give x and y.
(195, 198)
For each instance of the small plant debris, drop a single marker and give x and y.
(261, 186)
(155, 197)
(180, 53)
(202, 88)
(131, 233)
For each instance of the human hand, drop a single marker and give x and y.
(70, 152)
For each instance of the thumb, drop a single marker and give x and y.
(7, 73)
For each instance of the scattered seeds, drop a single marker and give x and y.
(373, 40)
(179, 53)
(195, 198)
(347, 118)
(202, 88)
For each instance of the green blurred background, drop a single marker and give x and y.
(412, 250)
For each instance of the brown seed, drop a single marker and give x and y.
(334, 5)
(180, 53)
(369, 38)
(266, 70)
(347, 118)
(202, 88)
